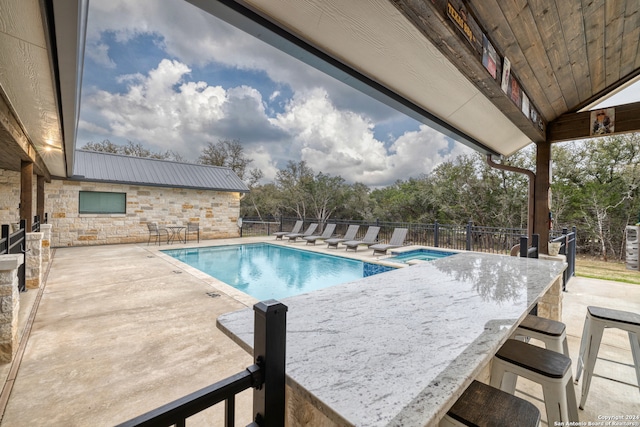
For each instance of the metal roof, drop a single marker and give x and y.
(116, 168)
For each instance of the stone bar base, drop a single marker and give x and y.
(9, 305)
(550, 305)
(302, 413)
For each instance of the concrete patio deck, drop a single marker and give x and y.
(120, 330)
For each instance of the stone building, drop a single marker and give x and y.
(111, 198)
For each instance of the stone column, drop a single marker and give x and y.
(34, 260)
(45, 229)
(9, 305)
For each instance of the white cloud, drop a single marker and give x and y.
(325, 123)
(342, 143)
(263, 160)
(99, 52)
(418, 152)
(329, 140)
(167, 112)
(196, 38)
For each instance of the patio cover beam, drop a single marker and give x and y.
(16, 146)
(571, 126)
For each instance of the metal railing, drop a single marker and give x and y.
(257, 227)
(266, 376)
(470, 237)
(16, 243)
(461, 237)
(567, 248)
(527, 251)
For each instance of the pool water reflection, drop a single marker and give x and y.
(267, 271)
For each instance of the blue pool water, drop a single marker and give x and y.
(267, 271)
(420, 254)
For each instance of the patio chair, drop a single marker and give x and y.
(349, 235)
(308, 232)
(369, 239)
(327, 233)
(397, 240)
(156, 232)
(192, 227)
(296, 229)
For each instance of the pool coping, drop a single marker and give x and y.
(364, 255)
(231, 291)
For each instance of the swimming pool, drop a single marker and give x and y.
(267, 271)
(419, 254)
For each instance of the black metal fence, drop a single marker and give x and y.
(461, 237)
(266, 376)
(15, 243)
(470, 237)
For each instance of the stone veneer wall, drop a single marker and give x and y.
(216, 212)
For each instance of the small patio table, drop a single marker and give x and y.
(175, 233)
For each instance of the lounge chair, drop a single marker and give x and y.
(397, 240)
(327, 233)
(308, 232)
(296, 229)
(369, 239)
(349, 235)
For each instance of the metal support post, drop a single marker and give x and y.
(269, 353)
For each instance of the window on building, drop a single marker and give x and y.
(98, 202)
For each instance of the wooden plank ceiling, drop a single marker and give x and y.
(566, 54)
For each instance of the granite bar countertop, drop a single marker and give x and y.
(398, 348)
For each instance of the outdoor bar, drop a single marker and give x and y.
(399, 348)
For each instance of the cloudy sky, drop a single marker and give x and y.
(175, 78)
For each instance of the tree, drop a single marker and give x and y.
(228, 153)
(105, 146)
(357, 203)
(263, 201)
(405, 201)
(596, 187)
(326, 194)
(131, 149)
(292, 182)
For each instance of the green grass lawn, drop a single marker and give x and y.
(596, 269)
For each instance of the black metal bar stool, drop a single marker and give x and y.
(484, 406)
(551, 332)
(548, 368)
(597, 320)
